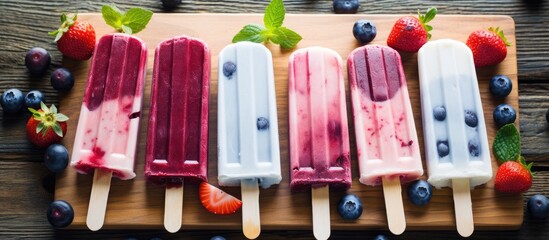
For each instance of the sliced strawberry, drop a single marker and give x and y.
(217, 201)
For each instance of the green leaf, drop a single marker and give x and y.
(506, 145)
(112, 16)
(250, 33)
(39, 127)
(430, 15)
(43, 107)
(136, 19)
(61, 117)
(57, 129)
(285, 37)
(274, 14)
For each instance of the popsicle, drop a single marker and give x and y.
(319, 136)
(387, 144)
(106, 135)
(177, 139)
(248, 146)
(456, 143)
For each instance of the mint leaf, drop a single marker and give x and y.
(137, 19)
(274, 14)
(133, 21)
(112, 16)
(285, 37)
(506, 145)
(250, 33)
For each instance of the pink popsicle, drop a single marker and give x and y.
(319, 137)
(177, 141)
(386, 137)
(106, 134)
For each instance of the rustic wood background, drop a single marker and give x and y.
(26, 186)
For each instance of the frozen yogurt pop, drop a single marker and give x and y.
(106, 135)
(248, 147)
(387, 144)
(177, 139)
(319, 136)
(456, 143)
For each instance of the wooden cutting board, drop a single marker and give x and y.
(138, 204)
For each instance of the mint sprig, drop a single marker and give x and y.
(273, 30)
(506, 145)
(130, 22)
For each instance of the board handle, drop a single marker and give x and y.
(320, 200)
(392, 192)
(98, 199)
(251, 224)
(173, 207)
(463, 207)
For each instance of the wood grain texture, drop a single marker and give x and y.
(137, 204)
(24, 23)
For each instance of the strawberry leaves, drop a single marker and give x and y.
(66, 22)
(130, 22)
(499, 32)
(424, 19)
(273, 30)
(48, 118)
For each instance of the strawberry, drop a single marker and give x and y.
(217, 201)
(514, 177)
(488, 47)
(75, 39)
(410, 33)
(46, 126)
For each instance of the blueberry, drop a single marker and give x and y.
(420, 192)
(262, 123)
(33, 99)
(442, 148)
(504, 114)
(60, 214)
(349, 207)
(474, 148)
(538, 206)
(56, 157)
(364, 31)
(345, 6)
(170, 4)
(217, 238)
(500, 86)
(381, 237)
(439, 113)
(61, 79)
(12, 100)
(228, 69)
(37, 60)
(471, 118)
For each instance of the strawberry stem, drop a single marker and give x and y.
(424, 19)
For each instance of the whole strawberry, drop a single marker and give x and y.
(410, 33)
(513, 177)
(46, 126)
(75, 39)
(488, 47)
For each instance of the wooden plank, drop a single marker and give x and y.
(137, 204)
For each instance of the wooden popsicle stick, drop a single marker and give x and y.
(393, 205)
(98, 199)
(320, 200)
(173, 207)
(251, 224)
(463, 207)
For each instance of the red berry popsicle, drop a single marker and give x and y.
(106, 135)
(319, 137)
(387, 143)
(177, 139)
